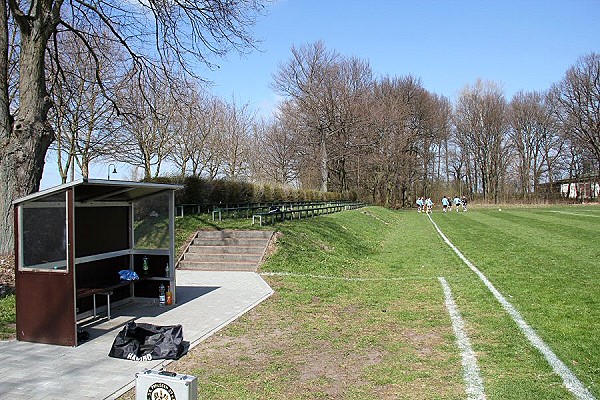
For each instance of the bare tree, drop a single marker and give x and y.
(308, 78)
(577, 98)
(84, 119)
(274, 155)
(409, 125)
(152, 35)
(146, 139)
(353, 86)
(535, 137)
(237, 130)
(327, 97)
(392, 146)
(189, 135)
(432, 121)
(480, 120)
(209, 159)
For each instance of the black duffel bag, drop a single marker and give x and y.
(145, 342)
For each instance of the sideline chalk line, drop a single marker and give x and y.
(570, 381)
(471, 375)
(572, 213)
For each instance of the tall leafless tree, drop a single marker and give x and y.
(577, 97)
(152, 34)
(209, 159)
(535, 137)
(481, 129)
(189, 133)
(408, 127)
(83, 118)
(274, 152)
(309, 78)
(327, 96)
(353, 86)
(237, 131)
(146, 138)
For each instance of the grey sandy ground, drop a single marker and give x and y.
(207, 301)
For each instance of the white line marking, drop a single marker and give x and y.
(471, 375)
(570, 381)
(341, 278)
(571, 213)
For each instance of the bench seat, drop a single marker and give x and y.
(106, 290)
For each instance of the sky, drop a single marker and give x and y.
(519, 45)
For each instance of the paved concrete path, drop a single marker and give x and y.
(207, 301)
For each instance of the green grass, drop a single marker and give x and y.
(7, 317)
(390, 336)
(545, 261)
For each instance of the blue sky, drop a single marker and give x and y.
(520, 45)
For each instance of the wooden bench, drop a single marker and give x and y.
(247, 210)
(274, 215)
(297, 212)
(104, 290)
(271, 214)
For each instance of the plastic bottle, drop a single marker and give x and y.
(161, 295)
(169, 296)
(145, 265)
(167, 272)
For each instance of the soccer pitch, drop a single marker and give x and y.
(375, 304)
(543, 262)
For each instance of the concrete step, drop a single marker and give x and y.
(228, 241)
(226, 249)
(235, 234)
(233, 258)
(218, 266)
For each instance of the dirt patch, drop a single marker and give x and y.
(312, 365)
(310, 345)
(7, 274)
(375, 216)
(425, 343)
(272, 246)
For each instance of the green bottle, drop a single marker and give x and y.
(145, 265)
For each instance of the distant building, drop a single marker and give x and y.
(581, 188)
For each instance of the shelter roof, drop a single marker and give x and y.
(88, 190)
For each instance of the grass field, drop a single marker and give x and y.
(546, 261)
(359, 311)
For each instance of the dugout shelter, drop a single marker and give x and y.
(71, 242)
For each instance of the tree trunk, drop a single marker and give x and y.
(183, 169)
(24, 147)
(85, 166)
(147, 169)
(324, 162)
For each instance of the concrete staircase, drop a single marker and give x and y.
(225, 250)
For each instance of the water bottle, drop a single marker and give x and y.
(145, 265)
(161, 295)
(167, 272)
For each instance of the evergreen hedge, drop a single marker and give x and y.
(207, 192)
